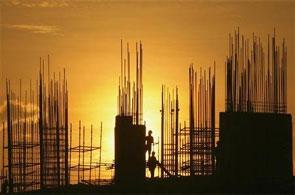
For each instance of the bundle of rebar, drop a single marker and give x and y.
(256, 81)
(169, 131)
(189, 150)
(199, 137)
(130, 103)
(53, 128)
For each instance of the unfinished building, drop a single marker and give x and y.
(129, 127)
(189, 150)
(255, 130)
(36, 152)
(82, 166)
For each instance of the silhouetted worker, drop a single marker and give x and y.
(4, 187)
(149, 141)
(152, 163)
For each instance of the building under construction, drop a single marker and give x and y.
(188, 150)
(83, 168)
(253, 144)
(35, 136)
(20, 152)
(255, 121)
(129, 128)
(36, 152)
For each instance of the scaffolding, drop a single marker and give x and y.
(189, 151)
(256, 81)
(35, 152)
(53, 121)
(169, 131)
(80, 170)
(20, 155)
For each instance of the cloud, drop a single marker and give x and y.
(37, 29)
(38, 3)
(32, 110)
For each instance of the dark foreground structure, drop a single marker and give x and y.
(255, 147)
(129, 127)
(197, 184)
(129, 152)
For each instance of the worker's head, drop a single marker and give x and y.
(150, 132)
(153, 153)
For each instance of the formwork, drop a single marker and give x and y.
(129, 151)
(255, 146)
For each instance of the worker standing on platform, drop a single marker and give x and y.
(152, 163)
(149, 141)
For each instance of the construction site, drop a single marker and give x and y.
(250, 150)
(38, 150)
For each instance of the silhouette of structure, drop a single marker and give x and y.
(255, 130)
(81, 171)
(21, 168)
(256, 81)
(130, 103)
(255, 138)
(53, 130)
(188, 151)
(36, 152)
(129, 129)
(169, 132)
(37, 136)
(255, 147)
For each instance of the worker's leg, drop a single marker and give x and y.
(152, 172)
(149, 152)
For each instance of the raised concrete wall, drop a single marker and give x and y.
(129, 151)
(255, 146)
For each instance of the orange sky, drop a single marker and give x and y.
(84, 37)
